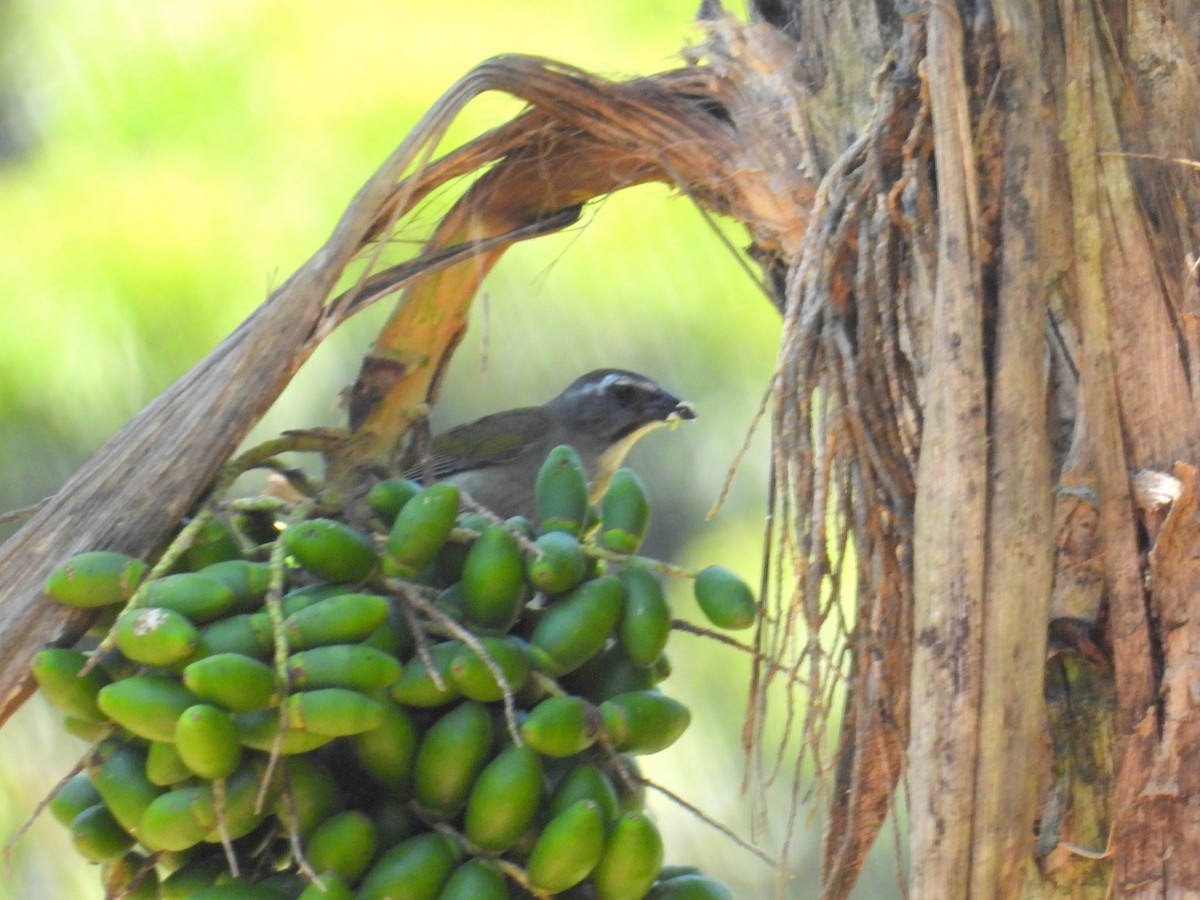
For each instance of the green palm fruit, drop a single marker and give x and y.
(450, 757)
(632, 858)
(206, 739)
(568, 848)
(178, 819)
(561, 726)
(331, 888)
(624, 512)
(504, 800)
(575, 628)
(247, 581)
(643, 722)
(343, 844)
(155, 636)
(416, 686)
(95, 578)
(608, 673)
(57, 673)
(98, 836)
(472, 676)
(243, 812)
(232, 681)
(336, 712)
(298, 598)
(246, 635)
(559, 563)
(257, 730)
(476, 879)
(586, 782)
(388, 753)
(725, 599)
(689, 887)
(214, 543)
(148, 705)
(241, 889)
(200, 598)
(493, 580)
(132, 877)
(394, 637)
(331, 550)
(118, 772)
(344, 619)
(394, 821)
(354, 666)
(561, 492)
(164, 765)
(197, 873)
(420, 530)
(314, 794)
(645, 618)
(416, 869)
(73, 797)
(386, 498)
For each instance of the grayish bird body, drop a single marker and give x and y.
(601, 414)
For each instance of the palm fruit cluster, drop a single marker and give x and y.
(428, 704)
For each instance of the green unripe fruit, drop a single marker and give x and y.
(148, 705)
(98, 836)
(420, 529)
(232, 681)
(493, 579)
(450, 758)
(197, 597)
(332, 888)
(608, 673)
(414, 870)
(417, 687)
(95, 578)
(331, 550)
(246, 635)
(57, 674)
(214, 543)
(645, 617)
(388, 753)
(476, 879)
(725, 599)
(586, 782)
(298, 598)
(155, 636)
(624, 512)
(394, 822)
(132, 877)
(644, 721)
(344, 619)
(689, 887)
(472, 675)
(561, 726)
(178, 819)
(354, 666)
(632, 857)
(164, 765)
(315, 794)
(335, 712)
(559, 564)
(247, 581)
(244, 811)
(207, 741)
(575, 628)
(257, 730)
(118, 772)
(568, 849)
(75, 795)
(386, 498)
(239, 889)
(197, 873)
(343, 844)
(504, 800)
(561, 492)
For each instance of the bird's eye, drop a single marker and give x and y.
(625, 393)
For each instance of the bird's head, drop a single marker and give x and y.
(613, 405)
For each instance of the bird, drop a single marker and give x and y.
(495, 459)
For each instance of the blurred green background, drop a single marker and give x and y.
(165, 164)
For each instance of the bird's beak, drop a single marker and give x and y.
(682, 411)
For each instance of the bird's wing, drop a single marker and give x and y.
(490, 441)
